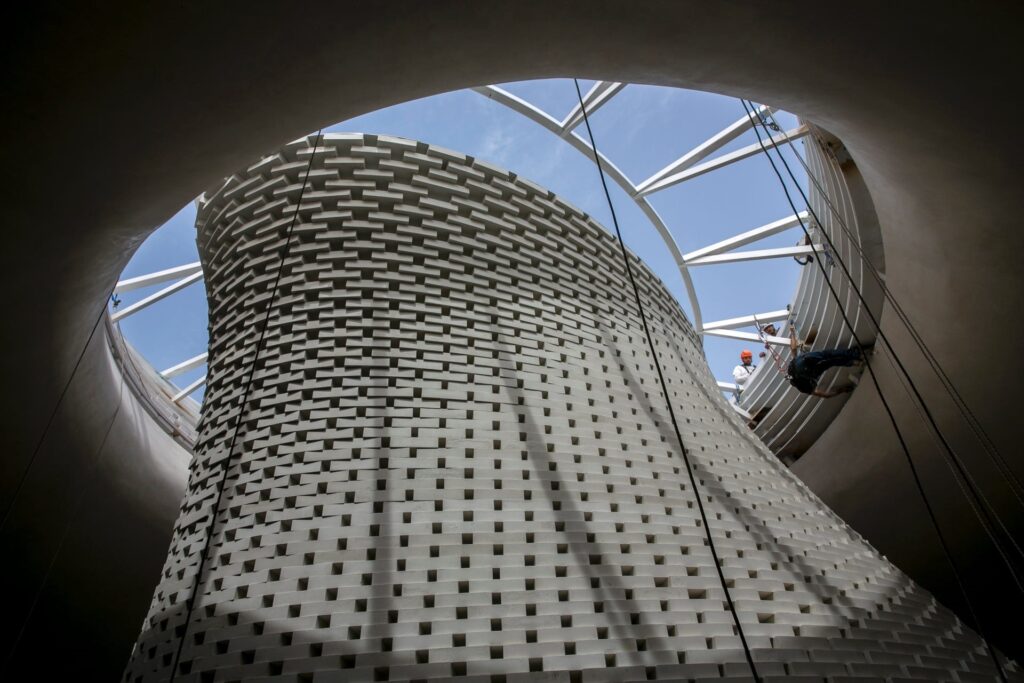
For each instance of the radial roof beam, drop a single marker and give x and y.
(521, 106)
(612, 171)
(189, 389)
(184, 366)
(600, 94)
(755, 255)
(701, 151)
(157, 277)
(748, 320)
(728, 386)
(153, 298)
(722, 161)
(749, 336)
(749, 236)
(531, 112)
(741, 411)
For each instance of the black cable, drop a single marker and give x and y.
(211, 527)
(888, 410)
(53, 414)
(992, 518)
(668, 400)
(975, 425)
(72, 516)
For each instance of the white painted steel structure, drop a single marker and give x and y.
(153, 298)
(185, 366)
(787, 421)
(691, 164)
(156, 278)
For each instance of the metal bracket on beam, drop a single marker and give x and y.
(745, 238)
(756, 255)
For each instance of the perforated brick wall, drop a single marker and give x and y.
(456, 459)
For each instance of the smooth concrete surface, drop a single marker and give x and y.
(117, 115)
(80, 547)
(455, 459)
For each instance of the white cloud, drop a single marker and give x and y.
(497, 145)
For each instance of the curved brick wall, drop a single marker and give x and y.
(456, 461)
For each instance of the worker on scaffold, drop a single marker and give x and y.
(742, 372)
(806, 369)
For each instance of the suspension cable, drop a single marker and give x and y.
(972, 421)
(72, 517)
(885, 404)
(211, 527)
(776, 357)
(664, 386)
(53, 414)
(987, 510)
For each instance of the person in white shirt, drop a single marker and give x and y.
(741, 373)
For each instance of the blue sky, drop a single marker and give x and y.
(641, 130)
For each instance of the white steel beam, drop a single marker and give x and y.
(600, 94)
(184, 366)
(153, 298)
(701, 151)
(521, 106)
(722, 161)
(189, 389)
(749, 236)
(749, 336)
(739, 410)
(728, 386)
(755, 255)
(748, 320)
(157, 277)
(611, 171)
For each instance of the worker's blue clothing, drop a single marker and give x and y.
(807, 368)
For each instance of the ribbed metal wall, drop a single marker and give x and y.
(789, 421)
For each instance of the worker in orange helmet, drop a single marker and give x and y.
(742, 372)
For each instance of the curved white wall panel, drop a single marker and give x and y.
(455, 459)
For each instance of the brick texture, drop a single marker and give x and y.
(456, 462)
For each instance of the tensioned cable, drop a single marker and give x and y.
(776, 357)
(211, 527)
(664, 386)
(53, 414)
(72, 516)
(980, 500)
(975, 425)
(899, 435)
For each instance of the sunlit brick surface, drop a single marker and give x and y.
(456, 459)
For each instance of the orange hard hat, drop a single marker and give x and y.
(745, 353)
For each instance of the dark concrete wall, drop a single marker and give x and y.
(86, 535)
